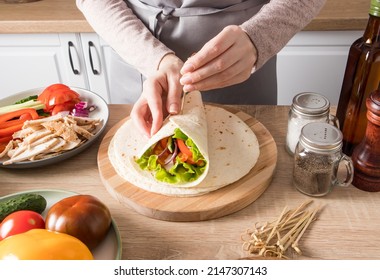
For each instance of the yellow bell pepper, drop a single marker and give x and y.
(42, 244)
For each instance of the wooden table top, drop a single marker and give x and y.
(347, 226)
(56, 16)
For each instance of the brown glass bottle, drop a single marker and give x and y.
(362, 76)
(366, 155)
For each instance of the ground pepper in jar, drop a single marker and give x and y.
(317, 158)
(313, 174)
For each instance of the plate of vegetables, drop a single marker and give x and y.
(43, 126)
(57, 224)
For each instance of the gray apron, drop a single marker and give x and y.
(185, 26)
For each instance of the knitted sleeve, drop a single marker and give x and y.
(277, 22)
(125, 33)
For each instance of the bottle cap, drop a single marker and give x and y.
(311, 103)
(321, 137)
(375, 8)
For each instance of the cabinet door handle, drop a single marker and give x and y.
(70, 46)
(91, 46)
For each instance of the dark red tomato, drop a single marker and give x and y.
(19, 222)
(82, 216)
(57, 94)
(44, 97)
(62, 96)
(67, 106)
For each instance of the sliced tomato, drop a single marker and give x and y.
(19, 222)
(44, 97)
(182, 157)
(57, 94)
(67, 106)
(57, 87)
(186, 155)
(62, 96)
(183, 148)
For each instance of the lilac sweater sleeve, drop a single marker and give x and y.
(277, 22)
(125, 33)
(270, 29)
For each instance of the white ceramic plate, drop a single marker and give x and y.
(101, 112)
(109, 249)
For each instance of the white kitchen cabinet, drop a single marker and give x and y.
(95, 52)
(37, 60)
(314, 61)
(311, 61)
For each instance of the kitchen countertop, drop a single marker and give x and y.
(347, 226)
(56, 16)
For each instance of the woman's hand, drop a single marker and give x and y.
(161, 95)
(225, 60)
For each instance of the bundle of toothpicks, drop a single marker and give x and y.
(278, 238)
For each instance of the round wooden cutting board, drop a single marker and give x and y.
(219, 203)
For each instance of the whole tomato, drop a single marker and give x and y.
(19, 222)
(82, 216)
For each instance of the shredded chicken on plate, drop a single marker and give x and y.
(48, 137)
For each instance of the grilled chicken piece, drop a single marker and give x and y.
(83, 132)
(36, 135)
(38, 122)
(85, 121)
(33, 151)
(61, 129)
(33, 141)
(72, 144)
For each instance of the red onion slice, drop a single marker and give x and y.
(173, 155)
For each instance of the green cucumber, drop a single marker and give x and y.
(28, 201)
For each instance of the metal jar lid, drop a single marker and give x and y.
(311, 104)
(321, 137)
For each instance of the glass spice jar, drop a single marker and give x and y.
(317, 158)
(307, 107)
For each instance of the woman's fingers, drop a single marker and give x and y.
(161, 94)
(147, 112)
(232, 76)
(211, 50)
(141, 117)
(170, 66)
(173, 97)
(215, 67)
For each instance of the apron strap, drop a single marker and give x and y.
(160, 15)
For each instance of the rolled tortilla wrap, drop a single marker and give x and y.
(232, 151)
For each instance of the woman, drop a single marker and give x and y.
(226, 49)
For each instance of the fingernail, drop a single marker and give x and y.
(185, 80)
(173, 108)
(188, 88)
(187, 67)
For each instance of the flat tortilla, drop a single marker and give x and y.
(232, 151)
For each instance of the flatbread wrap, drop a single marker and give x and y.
(178, 152)
(228, 150)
